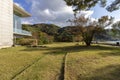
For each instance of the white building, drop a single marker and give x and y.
(10, 22)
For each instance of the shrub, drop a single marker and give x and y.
(44, 38)
(27, 41)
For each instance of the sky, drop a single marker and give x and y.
(57, 12)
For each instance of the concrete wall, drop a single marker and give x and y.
(6, 23)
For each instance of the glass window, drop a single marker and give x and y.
(17, 22)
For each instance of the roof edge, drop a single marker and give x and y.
(19, 11)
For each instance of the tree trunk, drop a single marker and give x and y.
(88, 43)
(88, 39)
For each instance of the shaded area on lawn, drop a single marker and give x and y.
(104, 56)
(115, 51)
(111, 72)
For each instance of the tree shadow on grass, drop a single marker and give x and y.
(111, 72)
(70, 49)
(112, 53)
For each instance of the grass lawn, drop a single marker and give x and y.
(47, 63)
(93, 63)
(14, 60)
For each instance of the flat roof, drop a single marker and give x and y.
(20, 12)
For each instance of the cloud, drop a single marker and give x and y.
(54, 12)
(26, 22)
(87, 13)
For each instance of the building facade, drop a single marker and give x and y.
(10, 23)
(6, 23)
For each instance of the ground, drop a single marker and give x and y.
(60, 61)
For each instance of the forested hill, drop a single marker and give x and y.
(43, 33)
(51, 32)
(49, 29)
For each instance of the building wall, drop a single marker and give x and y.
(6, 23)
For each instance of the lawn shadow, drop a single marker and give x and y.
(71, 49)
(111, 72)
(112, 53)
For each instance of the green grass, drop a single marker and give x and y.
(93, 63)
(25, 63)
(13, 60)
(46, 63)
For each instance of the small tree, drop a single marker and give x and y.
(88, 28)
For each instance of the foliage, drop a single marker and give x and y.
(68, 34)
(114, 6)
(26, 41)
(44, 38)
(50, 29)
(40, 33)
(88, 28)
(64, 37)
(116, 29)
(105, 35)
(79, 5)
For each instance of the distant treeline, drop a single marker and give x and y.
(48, 33)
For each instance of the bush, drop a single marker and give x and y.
(64, 37)
(44, 38)
(26, 41)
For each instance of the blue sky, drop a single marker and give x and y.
(99, 11)
(57, 12)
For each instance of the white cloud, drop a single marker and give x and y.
(55, 12)
(47, 12)
(86, 13)
(26, 22)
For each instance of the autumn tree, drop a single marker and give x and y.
(88, 28)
